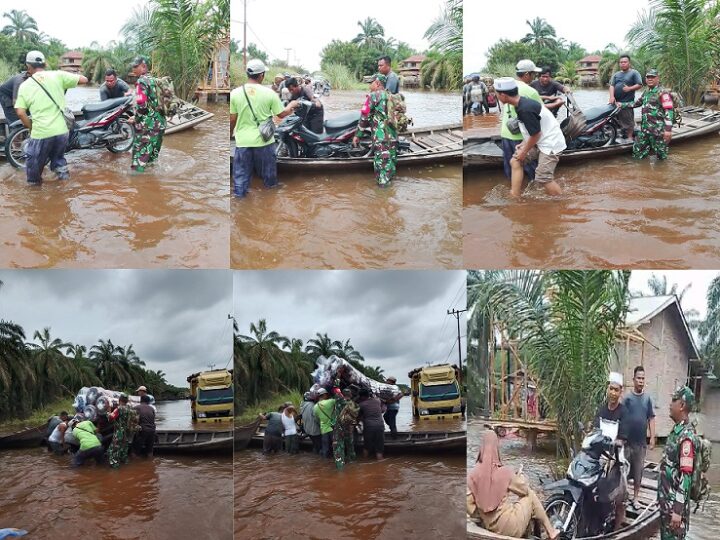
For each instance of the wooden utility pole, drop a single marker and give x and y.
(245, 35)
(456, 313)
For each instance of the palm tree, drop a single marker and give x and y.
(262, 357)
(445, 34)
(96, 60)
(682, 39)
(541, 34)
(659, 287)
(50, 364)
(22, 25)
(108, 364)
(371, 33)
(322, 345)
(709, 329)
(568, 72)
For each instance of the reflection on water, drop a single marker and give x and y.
(105, 216)
(179, 497)
(614, 212)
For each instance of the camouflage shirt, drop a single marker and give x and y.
(655, 117)
(676, 469)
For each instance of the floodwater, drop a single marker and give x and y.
(178, 415)
(168, 496)
(339, 219)
(538, 466)
(614, 212)
(105, 216)
(282, 496)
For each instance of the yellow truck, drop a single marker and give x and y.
(435, 392)
(211, 394)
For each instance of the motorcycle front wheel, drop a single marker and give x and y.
(286, 148)
(557, 508)
(119, 146)
(605, 137)
(14, 147)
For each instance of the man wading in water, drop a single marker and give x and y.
(149, 121)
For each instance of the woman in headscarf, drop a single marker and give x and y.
(490, 485)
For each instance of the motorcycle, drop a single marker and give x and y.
(103, 124)
(595, 128)
(582, 505)
(297, 141)
(321, 88)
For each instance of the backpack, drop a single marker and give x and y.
(491, 100)
(476, 93)
(168, 102)
(397, 112)
(700, 487)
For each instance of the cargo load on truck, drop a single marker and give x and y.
(211, 394)
(336, 371)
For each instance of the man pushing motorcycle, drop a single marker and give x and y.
(42, 96)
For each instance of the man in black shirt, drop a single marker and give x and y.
(315, 117)
(113, 87)
(548, 88)
(8, 94)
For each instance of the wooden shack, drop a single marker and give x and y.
(410, 71)
(72, 61)
(215, 87)
(587, 68)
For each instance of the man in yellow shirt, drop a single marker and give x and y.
(250, 106)
(42, 96)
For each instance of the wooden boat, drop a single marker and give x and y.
(24, 438)
(188, 116)
(244, 434)
(638, 525)
(439, 144)
(483, 147)
(168, 440)
(406, 441)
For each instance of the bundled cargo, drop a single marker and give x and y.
(95, 401)
(337, 371)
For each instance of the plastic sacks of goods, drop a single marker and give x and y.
(94, 401)
(336, 369)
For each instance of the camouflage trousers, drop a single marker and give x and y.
(648, 142)
(118, 452)
(147, 143)
(665, 515)
(343, 449)
(385, 161)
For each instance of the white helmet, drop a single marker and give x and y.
(255, 67)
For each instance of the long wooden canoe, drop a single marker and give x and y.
(167, 440)
(638, 525)
(439, 144)
(24, 438)
(244, 434)
(406, 441)
(483, 148)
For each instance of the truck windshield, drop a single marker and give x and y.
(439, 392)
(211, 397)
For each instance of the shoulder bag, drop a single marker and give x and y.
(267, 128)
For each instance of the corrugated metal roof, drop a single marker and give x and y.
(642, 309)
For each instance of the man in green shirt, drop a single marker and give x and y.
(90, 447)
(325, 411)
(525, 71)
(250, 106)
(42, 96)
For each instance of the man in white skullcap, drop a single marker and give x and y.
(614, 411)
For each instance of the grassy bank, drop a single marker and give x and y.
(268, 404)
(38, 416)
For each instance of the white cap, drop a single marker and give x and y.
(615, 378)
(320, 391)
(503, 84)
(141, 389)
(35, 57)
(256, 67)
(526, 65)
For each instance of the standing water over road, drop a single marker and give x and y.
(342, 219)
(614, 212)
(414, 496)
(168, 496)
(538, 466)
(105, 216)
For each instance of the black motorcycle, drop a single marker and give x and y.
(595, 128)
(102, 124)
(582, 505)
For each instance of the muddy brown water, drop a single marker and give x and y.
(282, 496)
(538, 467)
(168, 496)
(614, 212)
(342, 219)
(173, 216)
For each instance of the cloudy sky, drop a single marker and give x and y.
(695, 297)
(307, 27)
(591, 25)
(396, 319)
(177, 320)
(77, 23)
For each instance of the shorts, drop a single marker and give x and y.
(635, 454)
(374, 439)
(626, 118)
(546, 164)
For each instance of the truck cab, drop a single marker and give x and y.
(435, 392)
(211, 394)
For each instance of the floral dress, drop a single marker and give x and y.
(125, 424)
(149, 124)
(374, 115)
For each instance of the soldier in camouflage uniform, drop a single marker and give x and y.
(676, 469)
(657, 119)
(374, 115)
(125, 424)
(343, 443)
(149, 121)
